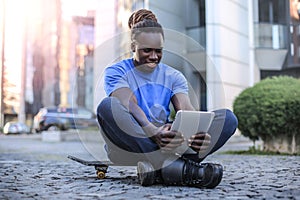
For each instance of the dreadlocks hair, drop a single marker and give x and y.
(143, 21)
(140, 15)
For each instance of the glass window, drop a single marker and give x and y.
(273, 11)
(195, 13)
(195, 20)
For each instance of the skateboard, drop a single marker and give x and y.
(100, 166)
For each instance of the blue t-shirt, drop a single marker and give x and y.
(152, 90)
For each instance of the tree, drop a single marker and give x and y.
(270, 110)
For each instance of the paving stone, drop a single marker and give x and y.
(32, 169)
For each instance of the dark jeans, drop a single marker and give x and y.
(127, 143)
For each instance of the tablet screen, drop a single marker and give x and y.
(190, 123)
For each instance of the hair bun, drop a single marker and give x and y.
(139, 16)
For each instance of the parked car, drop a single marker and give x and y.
(58, 118)
(14, 127)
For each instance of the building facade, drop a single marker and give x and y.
(81, 92)
(222, 46)
(29, 57)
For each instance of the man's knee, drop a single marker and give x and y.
(104, 105)
(231, 122)
(104, 108)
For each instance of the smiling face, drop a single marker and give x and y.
(147, 48)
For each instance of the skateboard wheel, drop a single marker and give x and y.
(100, 174)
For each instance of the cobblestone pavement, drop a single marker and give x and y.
(33, 169)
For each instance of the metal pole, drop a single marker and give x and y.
(57, 89)
(21, 114)
(2, 64)
(251, 43)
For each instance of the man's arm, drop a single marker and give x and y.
(165, 138)
(128, 99)
(182, 101)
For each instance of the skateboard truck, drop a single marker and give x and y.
(100, 166)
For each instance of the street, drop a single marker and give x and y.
(31, 168)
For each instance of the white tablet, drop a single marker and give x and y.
(189, 123)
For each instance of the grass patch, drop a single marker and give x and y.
(91, 128)
(255, 151)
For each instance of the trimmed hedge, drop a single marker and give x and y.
(269, 108)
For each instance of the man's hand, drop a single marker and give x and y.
(199, 142)
(166, 139)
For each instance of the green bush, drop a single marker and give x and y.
(269, 108)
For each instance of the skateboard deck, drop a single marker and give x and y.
(100, 166)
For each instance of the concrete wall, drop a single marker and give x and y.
(228, 48)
